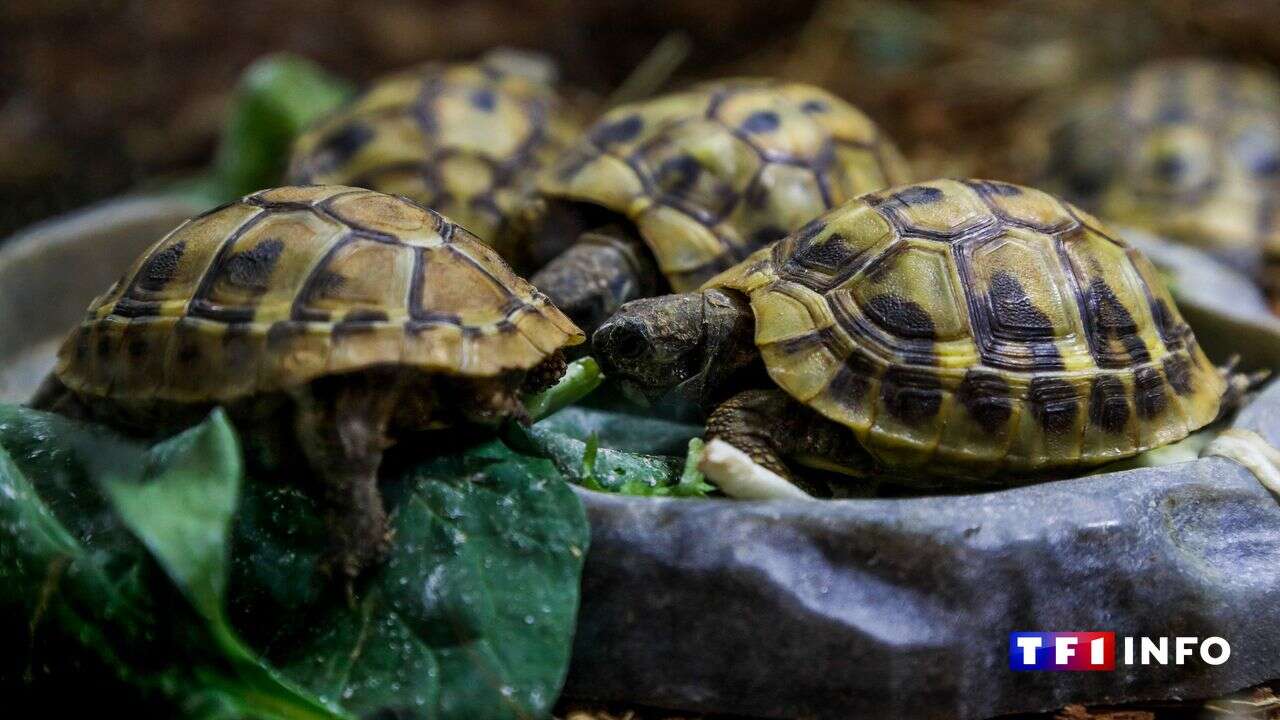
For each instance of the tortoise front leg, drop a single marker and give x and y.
(341, 425)
(595, 276)
(769, 426)
(751, 421)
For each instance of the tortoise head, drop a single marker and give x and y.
(676, 347)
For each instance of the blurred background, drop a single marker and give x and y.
(97, 96)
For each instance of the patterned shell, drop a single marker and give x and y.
(465, 139)
(290, 284)
(1189, 149)
(712, 174)
(975, 327)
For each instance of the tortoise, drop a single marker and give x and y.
(1188, 149)
(330, 322)
(668, 192)
(949, 331)
(465, 139)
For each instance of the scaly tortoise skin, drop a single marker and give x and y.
(464, 139)
(705, 177)
(958, 328)
(336, 318)
(1188, 149)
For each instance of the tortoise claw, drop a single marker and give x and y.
(1239, 385)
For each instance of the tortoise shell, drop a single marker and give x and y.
(464, 139)
(289, 284)
(710, 175)
(977, 326)
(1189, 149)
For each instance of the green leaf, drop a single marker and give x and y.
(121, 554)
(195, 477)
(613, 451)
(692, 482)
(471, 616)
(278, 97)
(54, 594)
(88, 585)
(579, 379)
(572, 438)
(623, 431)
(589, 456)
(604, 469)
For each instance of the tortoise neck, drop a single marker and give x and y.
(729, 350)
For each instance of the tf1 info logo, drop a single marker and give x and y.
(1097, 650)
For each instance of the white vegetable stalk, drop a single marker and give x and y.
(1250, 450)
(735, 473)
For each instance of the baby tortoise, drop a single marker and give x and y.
(958, 328)
(466, 139)
(331, 322)
(666, 193)
(1187, 149)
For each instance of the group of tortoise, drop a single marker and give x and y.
(747, 246)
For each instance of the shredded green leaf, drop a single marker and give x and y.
(579, 380)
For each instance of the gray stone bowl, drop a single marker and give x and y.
(855, 608)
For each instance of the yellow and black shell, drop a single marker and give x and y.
(1188, 149)
(975, 327)
(290, 284)
(464, 139)
(712, 174)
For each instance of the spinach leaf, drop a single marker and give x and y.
(88, 584)
(605, 469)
(607, 449)
(278, 97)
(623, 431)
(122, 555)
(471, 616)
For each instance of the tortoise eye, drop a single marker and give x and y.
(629, 343)
(624, 341)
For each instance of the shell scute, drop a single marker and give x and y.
(828, 254)
(779, 198)
(359, 276)
(1019, 205)
(384, 214)
(192, 358)
(943, 210)
(165, 278)
(257, 273)
(915, 300)
(1115, 300)
(698, 169)
(763, 118)
(473, 296)
(686, 249)
(1025, 314)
